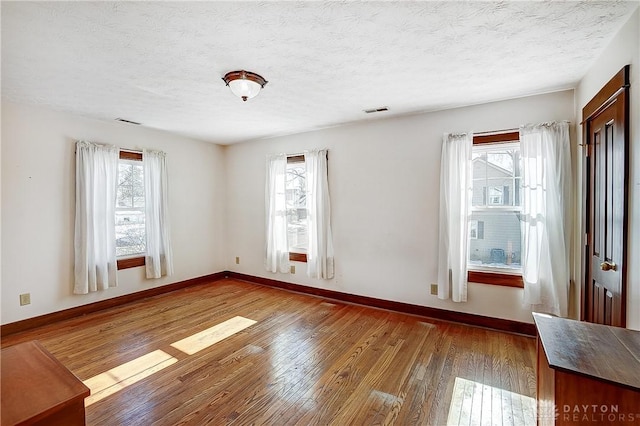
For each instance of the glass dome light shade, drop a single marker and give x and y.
(244, 84)
(245, 89)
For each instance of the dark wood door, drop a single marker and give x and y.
(606, 198)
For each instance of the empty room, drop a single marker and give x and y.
(320, 213)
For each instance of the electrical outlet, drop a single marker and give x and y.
(293, 269)
(237, 260)
(25, 299)
(434, 289)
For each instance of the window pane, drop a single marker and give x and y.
(496, 175)
(502, 160)
(479, 193)
(296, 207)
(130, 214)
(130, 232)
(496, 196)
(479, 179)
(494, 240)
(136, 176)
(500, 191)
(124, 197)
(124, 173)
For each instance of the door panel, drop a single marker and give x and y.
(604, 288)
(607, 196)
(602, 305)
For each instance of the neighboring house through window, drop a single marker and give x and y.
(495, 234)
(504, 199)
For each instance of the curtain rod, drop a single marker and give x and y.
(299, 154)
(497, 132)
(138, 151)
(517, 129)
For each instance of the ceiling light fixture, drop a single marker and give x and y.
(244, 84)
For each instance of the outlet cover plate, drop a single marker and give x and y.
(434, 289)
(25, 299)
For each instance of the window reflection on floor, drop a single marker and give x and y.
(118, 378)
(474, 403)
(292, 373)
(199, 341)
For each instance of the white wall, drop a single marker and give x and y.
(384, 184)
(384, 177)
(624, 49)
(1, 201)
(38, 191)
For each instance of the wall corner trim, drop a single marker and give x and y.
(30, 323)
(499, 324)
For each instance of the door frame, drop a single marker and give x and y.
(616, 90)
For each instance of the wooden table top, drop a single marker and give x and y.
(602, 352)
(35, 384)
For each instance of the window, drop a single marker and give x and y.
(296, 204)
(298, 223)
(130, 211)
(495, 235)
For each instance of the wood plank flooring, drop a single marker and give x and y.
(195, 356)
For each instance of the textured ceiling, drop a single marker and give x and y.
(161, 63)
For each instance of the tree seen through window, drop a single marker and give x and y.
(130, 209)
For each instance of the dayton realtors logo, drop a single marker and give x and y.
(585, 413)
(547, 410)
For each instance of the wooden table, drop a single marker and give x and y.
(587, 373)
(38, 390)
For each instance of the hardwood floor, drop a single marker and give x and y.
(231, 352)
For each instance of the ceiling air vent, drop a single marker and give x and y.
(371, 111)
(127, 121)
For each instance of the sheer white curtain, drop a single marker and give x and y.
(455, 206)
(95, 236)
(320, 249)
(546, 203)
(277, 247)
(159, 257)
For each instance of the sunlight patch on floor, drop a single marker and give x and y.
(475, 403)
(118, 378)
(199, 341)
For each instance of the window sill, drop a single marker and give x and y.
(298, 257)
(494, 278)
(131, 262)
